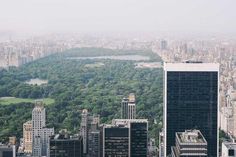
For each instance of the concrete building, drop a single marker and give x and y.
(161, 144)
(190, 143)
(90, 133)
(228, 149)
(41, 134)
(191, 96)
(27, 137)
(94, 144)
(84, 129)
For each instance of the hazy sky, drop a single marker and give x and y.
(118, 15)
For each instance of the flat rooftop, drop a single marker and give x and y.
(192, 66)
(191, 136)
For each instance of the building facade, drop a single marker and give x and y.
(128, 107)
(191, 102)
(40, 134)
(64, 146)
(27, 137)
(89, 131)
(116, 141)
(7, 151)
(126, 138)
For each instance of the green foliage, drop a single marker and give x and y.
(9, 101)
(75, 86)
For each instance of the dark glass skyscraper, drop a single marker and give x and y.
(191, 102)
(116, 141)
(62, 145)
(125, 138)
(138, 139)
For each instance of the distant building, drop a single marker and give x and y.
(84, 129)
(124, 108)
(228, 115)
(125, 137)
(27, 137)
(161, 144)
(128, 107)
(189, 143)
(66, 146)
(191, 95)
(94, 144)
(41, 134)
(90, 133)
(7, 151)
(12, 140)
(228, 149)
(163, 45)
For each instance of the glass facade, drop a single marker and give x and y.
(116, 142)
(192, 103)
(66, 148)
(138, 133)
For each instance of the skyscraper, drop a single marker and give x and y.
(128, 107)
(40, 134)
(66, 146)
(88, 131)
(115, 141)
(84, 129)
(191, 102)
(38, 123)
(27, 137)
(125, 137)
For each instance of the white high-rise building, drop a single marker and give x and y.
(128, 107)
(84, 129)
(40, 134)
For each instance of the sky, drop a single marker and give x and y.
(118, 15)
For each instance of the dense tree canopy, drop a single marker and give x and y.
(74, 85)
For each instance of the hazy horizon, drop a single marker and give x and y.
(118, 15)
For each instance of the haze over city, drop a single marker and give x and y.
(118, 15)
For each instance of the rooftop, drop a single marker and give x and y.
(230, 145)
(191, 67)
(191, 136)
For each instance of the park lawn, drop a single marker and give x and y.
(8, 101)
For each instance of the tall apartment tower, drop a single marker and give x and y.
(128, 107)
(40, 134)
(84, 129)
(27, 136)
(191, 92)
(90, 133)
(38, 123)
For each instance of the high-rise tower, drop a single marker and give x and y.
(40, 134)
(38, 123)
(128, 107)
(191, 102)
